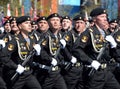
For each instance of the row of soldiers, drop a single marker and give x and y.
(60, 53)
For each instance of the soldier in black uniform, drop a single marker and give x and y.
(50, 53)
(116, 30)
(34, 25)
(7, 26)
(42, 24)
(42, 28)
(4, 38)
(72, 73)
(14, 27)
(112, 25)
(16, 52)
(88, 47)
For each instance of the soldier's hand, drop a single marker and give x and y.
(37, 47)
(54, 62)
(2, 43)
(73, 60)
(2, 30)
(63, 43)
(95, 64)
(110, 39)
(20, 69)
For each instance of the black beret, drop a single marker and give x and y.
(79, 17)
(33, 22)
(12, 19)
(97, 11)
(23, 19)
(7, 21)
(114, 21)
(66, 17)
(42, 18)
(53, 15)
(90, 19)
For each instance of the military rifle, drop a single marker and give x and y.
(31, 53)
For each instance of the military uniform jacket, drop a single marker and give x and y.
(50, 45)
(117, 39)
(88, 46)
(16, 52)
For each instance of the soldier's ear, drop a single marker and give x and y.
(19, 26)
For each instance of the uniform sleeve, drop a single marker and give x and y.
(5, 54)
(115, 54)
(80, 46)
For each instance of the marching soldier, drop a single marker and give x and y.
(113, 25)
(16, 52)
(34, 25)
(14, 27)
(116, 31)
(42, 24)
(50, 55)
(89, 46)
(73, 76)
(7, 26)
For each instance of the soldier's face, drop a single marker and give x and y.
(113, 26)
(66, 24)
(80, 26)
(25, 26)
(7, 27)
(100, 20)
(55, 23)
(43, 25)
(14, 26)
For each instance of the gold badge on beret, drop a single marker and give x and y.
(104, 11)
(43, 18)
(84, 39)
(55, 14)
(28, 18)
(66, 17)
(10, 47)
(80, 17)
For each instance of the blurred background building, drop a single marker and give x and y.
(36, 8)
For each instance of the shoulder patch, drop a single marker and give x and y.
(44, 42)
(84, 39)
(5, 39)
(118, 38)
(67, 38)
(10, 47)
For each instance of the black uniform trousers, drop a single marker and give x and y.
(73, 78)
(28, 81)
(2, 82)
(54, 80)
(117, 73)
(103, 79)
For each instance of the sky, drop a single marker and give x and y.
(69, 2)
